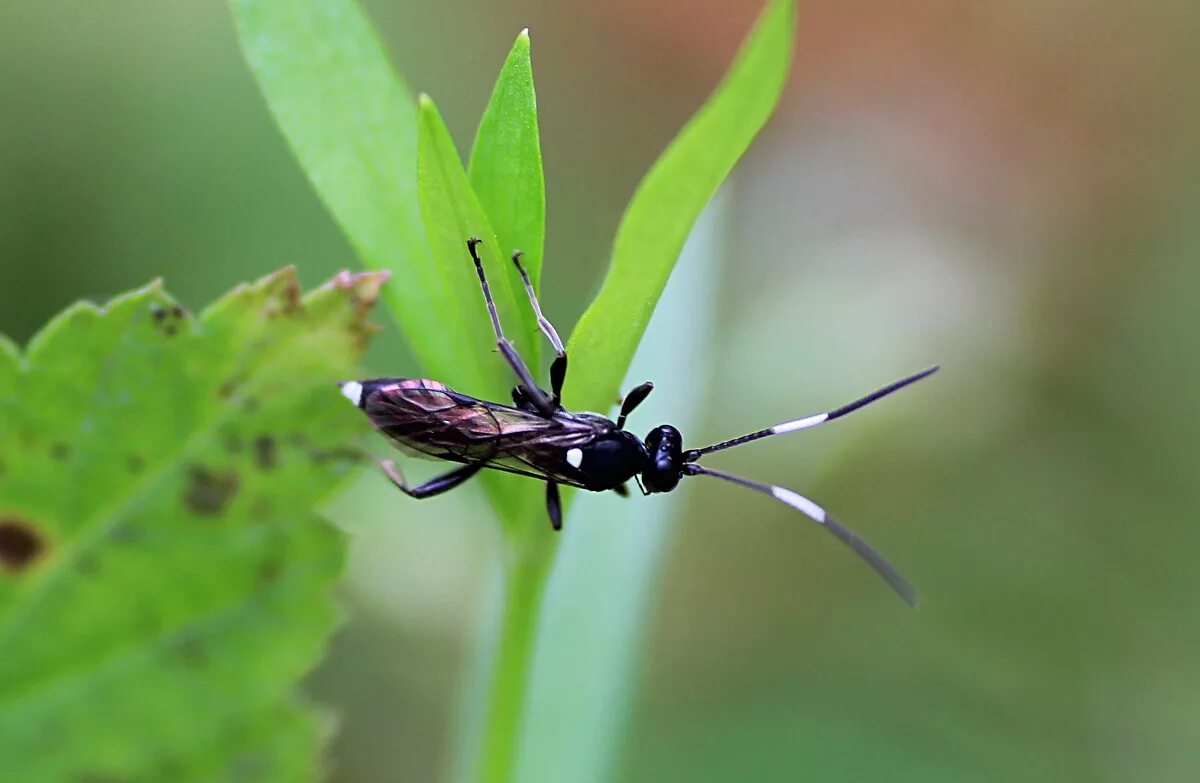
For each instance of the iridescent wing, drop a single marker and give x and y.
(425, 418)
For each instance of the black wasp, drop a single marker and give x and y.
(537, 437)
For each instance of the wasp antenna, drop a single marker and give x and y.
(815, 419)
(819, 515)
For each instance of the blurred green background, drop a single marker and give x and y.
(1010, 189)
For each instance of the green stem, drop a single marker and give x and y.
(527, 567)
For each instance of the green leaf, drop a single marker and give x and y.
(352, 124)
(668, 201)
(163, 580)
(452, 215)
(506, 161)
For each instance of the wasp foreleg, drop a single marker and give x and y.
(635, 397)
(544, 405)
(558, 369)
(434, 486)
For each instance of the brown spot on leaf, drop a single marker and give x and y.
(98, 777)
(232, 442)
(189, 647)
(86, 564)
(291, 297)
(261, 508)
(362, 291)
(135, 463)
(283, 295)
(209, 491)
(270, 571)
(60, 451)
(229, 387)
(338, 454)
(168, 319)
(20, 545)
(124, 534)
(265, 452)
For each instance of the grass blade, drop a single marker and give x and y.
(668, 201)
(605, 578)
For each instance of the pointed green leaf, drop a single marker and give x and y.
(452, 215)
(352, 124)
(506, 161)
(163, 580)
(665, 207)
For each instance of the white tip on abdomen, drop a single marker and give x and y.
(353, 391)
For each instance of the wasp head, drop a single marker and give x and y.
(665, 467)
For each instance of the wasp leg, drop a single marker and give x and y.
(639, 483)
(621, 490)
(632, 400)
(434, 486)
(558, 368)
(522, 400)
(553, 505)
(536, 395)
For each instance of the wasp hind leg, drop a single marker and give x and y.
(436, 485)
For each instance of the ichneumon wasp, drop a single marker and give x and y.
(537, 437)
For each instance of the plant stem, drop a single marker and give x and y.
(527, 567)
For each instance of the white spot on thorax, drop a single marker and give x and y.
(575, 457)
(353, 391)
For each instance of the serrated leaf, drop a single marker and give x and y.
(506, 161)
(452, 215)
(10, 362)
(666, 205)
(163, 581)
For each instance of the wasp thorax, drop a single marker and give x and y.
(608, 461)
(665, 467)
